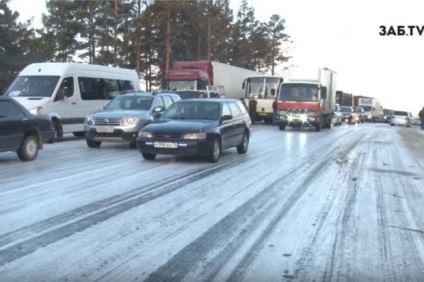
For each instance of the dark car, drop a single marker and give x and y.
(123, 117)
(197, 127)
(192, 94)
(21, 131)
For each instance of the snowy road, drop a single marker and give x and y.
(339, 205)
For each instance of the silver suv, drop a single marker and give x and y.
(123, 117)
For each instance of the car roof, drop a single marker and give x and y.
(203, 100)
(144, 93)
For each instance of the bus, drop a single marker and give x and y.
(264, 90)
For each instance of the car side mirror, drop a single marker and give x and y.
(158, 109)
(226, 117)
(60, 95)
(157, 112)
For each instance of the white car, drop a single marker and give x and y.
(401, 118)
(416, 121)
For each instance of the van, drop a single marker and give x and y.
(68, 92)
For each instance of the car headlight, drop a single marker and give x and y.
(195, 136)
(36, 110)
(127, 121)
(145, 134)
(89, 120)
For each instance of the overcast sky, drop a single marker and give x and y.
(344, 36)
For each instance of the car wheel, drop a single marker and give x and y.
(28, 150)
(216, 151)
(242, 148)
(392, 124)
(149, 157)
(133, 144)
(282, 127)
(93, 144)
(318, 126)
(58, 129)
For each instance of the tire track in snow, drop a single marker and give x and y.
(21, 242)
(212, 249)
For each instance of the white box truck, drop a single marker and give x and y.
(307, 98)
(68, 92)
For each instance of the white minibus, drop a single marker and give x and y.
(68, 92)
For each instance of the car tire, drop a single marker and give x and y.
(216, 151)
(133, 144)
(242, 148)
(78, 133)
(318, 126)
(392, 124)
(148, 156)
(58, 129)
(29, 148)
(93, 144)
(282, 127)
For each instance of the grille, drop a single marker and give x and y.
(168, 136)
(107, 121)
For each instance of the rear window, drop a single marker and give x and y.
(400, 113)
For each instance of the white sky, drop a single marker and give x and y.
(344, 36)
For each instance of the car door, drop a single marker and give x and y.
(226, 127)
(12, 123)
(238, 124)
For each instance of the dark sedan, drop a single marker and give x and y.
(21, 131)
(197, 127)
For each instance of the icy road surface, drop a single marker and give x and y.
(344, 204)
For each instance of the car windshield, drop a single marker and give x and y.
(130, 102)
(196, 110)
(299, 92)
(345, 109)
(368, 108)
(33, 86)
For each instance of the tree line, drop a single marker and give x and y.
(145, 35)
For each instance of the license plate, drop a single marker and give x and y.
(165, 145)
(262, 114)
(104, 129)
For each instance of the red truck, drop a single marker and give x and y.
(202, 75)
(306, 98)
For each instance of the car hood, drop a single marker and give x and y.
(180, 126)
(31, 102)
(121, 113)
